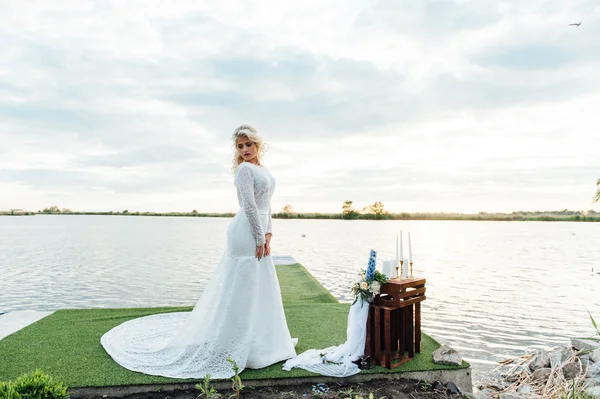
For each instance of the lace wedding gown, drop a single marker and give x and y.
(239, 315)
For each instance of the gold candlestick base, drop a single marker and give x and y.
(400, 267)
(397, 275)
(411, 270)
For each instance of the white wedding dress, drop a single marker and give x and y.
(239, 315)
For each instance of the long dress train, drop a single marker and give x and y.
(239, 315)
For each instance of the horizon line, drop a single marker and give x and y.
(67, 210)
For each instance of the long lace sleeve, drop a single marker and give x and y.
(245, 187)
(269, 225)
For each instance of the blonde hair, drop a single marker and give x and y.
(249, 132)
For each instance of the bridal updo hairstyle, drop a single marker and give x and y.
(251, 134)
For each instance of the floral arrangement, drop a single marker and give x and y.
(368, 282)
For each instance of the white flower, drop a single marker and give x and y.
(376, 287)
(358, 278)
(364, 285)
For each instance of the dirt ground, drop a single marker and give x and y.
(401, 389)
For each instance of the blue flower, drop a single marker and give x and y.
(370, 274)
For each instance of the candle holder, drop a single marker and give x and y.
(398, 274)
(411, 270)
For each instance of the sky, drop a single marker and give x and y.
(426, 106)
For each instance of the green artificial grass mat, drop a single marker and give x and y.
(67, 346)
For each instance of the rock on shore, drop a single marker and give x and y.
(544, 374)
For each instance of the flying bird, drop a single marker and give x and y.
(577, 24)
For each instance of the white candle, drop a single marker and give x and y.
(397, 259)
(401, 246)
(409, 249)
(387, 268)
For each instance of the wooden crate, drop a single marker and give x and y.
(394, 323)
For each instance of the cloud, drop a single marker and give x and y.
(430, 105)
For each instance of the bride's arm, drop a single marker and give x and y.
(269, 225)
(268, 235)
(245, 187)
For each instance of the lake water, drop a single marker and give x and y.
(493, 288)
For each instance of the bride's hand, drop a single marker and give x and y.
(268, 244)
(260, 252)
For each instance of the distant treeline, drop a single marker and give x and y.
(127, 213)
(572, 216)
(16, 213)
(561, 216)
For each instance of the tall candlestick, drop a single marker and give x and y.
(409, 249)
(401, 246)
(397, 259)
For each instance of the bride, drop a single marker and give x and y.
(240, 314)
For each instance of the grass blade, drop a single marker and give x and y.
(594, 322)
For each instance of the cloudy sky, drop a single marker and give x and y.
(443, 105)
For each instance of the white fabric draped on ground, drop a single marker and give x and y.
(338, 360)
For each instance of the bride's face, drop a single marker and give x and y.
(247, 149)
